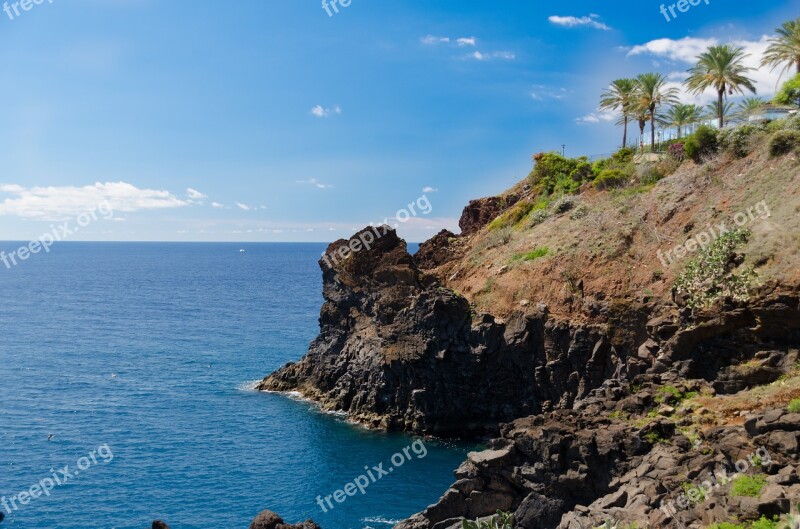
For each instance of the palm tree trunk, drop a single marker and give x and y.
(652, 128)
(721, 108)
(679, 132)
(625, 133)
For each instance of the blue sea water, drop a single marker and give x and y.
(148, 352)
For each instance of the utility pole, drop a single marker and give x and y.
(563, 148)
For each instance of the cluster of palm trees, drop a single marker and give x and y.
(720, 67)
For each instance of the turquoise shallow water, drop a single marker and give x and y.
(149, 351)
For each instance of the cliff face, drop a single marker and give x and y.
(398, 351)
(563, 320)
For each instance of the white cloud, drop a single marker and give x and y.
(322, 112)
(687, 49)
(316, 183)
(681, 50)
(60, 203)
(466, 41)
(597, 117)
(571, 22)
(429, 189)
(244, 207)
(479, 56)
(217, 205)
(194, 194)
(430, 39)
(542, 92)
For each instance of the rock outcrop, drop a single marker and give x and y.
(482, 211)
(398, 351)
(576, 469)
(270, 520)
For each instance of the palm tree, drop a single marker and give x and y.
(748, 106)
(720, 68)
(652, 92)
(618, 97)
(785, 48)
(712, 111)
(681, 115)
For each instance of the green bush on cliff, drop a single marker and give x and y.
(783, 142)
(610, 178)
(709, 277)
(701, 144)
(749, 485)
(502, 520)
(794, 406)
(556, 174)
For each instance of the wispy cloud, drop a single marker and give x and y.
(596, 117)
(429, 189)
(60, 203)
(316, 183)
(466, 41)
(322, 112)
(217, 205)
(244, 207)
(194, 194)
(542, 92)
(430, 40)
(572, 22)
(480, 56)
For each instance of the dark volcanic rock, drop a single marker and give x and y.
(270, 520)
(575, 470)
(481, 212)
(158, 524)
(436, 251)
(398, 352)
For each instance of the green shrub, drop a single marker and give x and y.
(766, 523)
(776, 125)
(554, 173)
(726, 525)
(783, 142)
(503, 520)
(652, 173)
(610, 178)
(737, 141)
(748, 485)
(701, 144)
(580, 212)
(792, 122)
(564, 204)
(794, 406)
(710, 277)
(537, 217)
(534, 254)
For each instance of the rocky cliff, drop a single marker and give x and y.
(396, 350)
(616, 361)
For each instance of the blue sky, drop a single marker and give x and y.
(269, 120)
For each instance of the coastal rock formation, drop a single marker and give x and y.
(575, 470)
(398, 351)
(270, 520)
(436, 251)
(482, 211)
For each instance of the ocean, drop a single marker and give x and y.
(132, 365)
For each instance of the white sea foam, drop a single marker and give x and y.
(380, 519)
(249, 385)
